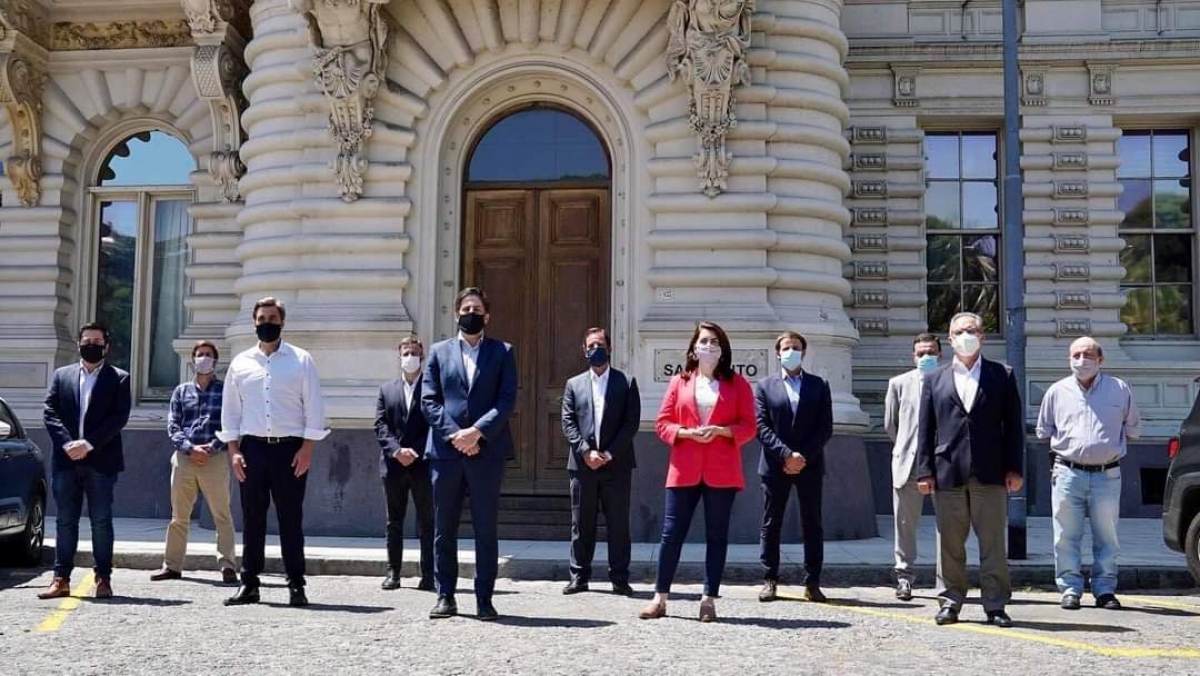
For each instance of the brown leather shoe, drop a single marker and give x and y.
(708, 611)
(103, 589)
(165, 574)
(59, 588)
(229, 576)
(653, 611)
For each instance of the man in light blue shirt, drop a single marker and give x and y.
(1088, 418)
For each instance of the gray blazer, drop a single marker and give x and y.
(901, 417)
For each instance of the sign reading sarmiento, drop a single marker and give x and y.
(750, 363)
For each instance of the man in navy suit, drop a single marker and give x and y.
(468, 391)
(795, 421)
(402, 433)
(601, 409)
(971, 448)
(86, 409)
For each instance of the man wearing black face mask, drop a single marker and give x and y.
(271, 416)
(467, 392)
(601, 408)
(86, 409)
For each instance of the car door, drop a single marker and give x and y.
(19, 468)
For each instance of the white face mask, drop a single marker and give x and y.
(204, 365)
(1085, 368)
(410, 364)
(966, 344)
(708, 354)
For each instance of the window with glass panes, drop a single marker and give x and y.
(1155, 174)
(140, 203)
(962, 228)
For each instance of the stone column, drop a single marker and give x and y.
(324, 224)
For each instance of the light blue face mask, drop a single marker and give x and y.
(927, 362)
(791, 359)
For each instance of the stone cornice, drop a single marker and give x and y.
(131, 34)
(953, 55)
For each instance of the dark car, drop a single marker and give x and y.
(22, 492)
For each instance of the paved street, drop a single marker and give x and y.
(353, 627)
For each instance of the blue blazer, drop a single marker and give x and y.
(450, 405)
(622, 414)
(780, 431)
(106, 417)
(986, 443)
(398, 426)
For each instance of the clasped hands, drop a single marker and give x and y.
(77, 449)
(597, 459)
(467, 441)
(406, 456)
(706, 433)
(794, 463)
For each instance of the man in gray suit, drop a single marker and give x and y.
(601, 409)
(901, 416)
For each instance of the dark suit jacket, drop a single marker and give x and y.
(398, 426)
(987, 443)
(106, 417)
(622, 413)
(450, 405)
(780, 431)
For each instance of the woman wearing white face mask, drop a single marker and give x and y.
(705, 418)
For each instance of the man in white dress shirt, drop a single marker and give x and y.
(272, 415)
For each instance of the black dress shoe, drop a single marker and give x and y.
(445, 607)
(1069, 602)
(946, 615)
(392, 581)
(426, 584)
(297, 597)
(244, 596)
(815, 595)
(575, 586)
(1108, 602)
(622, 589)
(999, 618)
(487, 612)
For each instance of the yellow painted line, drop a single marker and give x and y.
(1157, 601)
(1081, 646)
(67, 606)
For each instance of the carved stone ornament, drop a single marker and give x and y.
(218, 72)
(203, 15)
(1100, 84)
(350, 40)
(904, 87)
(707, 48)
(26, 17)
(1033, 84)
(68, 36)
(21, 93)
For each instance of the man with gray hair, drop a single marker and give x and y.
(1088, 418)
(971, 448)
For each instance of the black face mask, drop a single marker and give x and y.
(268, 333)
(597, 356)
(92, 354)
(470, 324)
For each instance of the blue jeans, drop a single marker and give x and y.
(1098, 495)
(71, 486)
(681, 505)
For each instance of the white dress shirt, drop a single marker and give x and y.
(87, 383)
(966, 381)
(410, 389)
(276, 395)
(599, 390)
(470, 357)
(707, 392)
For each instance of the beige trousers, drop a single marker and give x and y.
(188, 478)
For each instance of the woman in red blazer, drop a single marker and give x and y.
(705, 418)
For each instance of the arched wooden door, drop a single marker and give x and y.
(537, 239)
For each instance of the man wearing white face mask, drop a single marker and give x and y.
(192, 423)
(1088, 418)
(971, 448)
(401, 430)
(900, 418)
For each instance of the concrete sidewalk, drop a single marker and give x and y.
(1146, 563)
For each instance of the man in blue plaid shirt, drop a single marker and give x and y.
(193, 422)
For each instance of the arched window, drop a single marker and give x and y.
(140, 202)
(538, 144)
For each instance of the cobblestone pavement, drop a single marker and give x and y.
(180, 627)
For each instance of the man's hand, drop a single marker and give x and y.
(1013, 481)
(594, 459)
(77, 450)
(303, 458)
(926, 485)
(199, 455)
(465, 439)
(406, 456)
(471, 452)
(794, 463)
(238, 462)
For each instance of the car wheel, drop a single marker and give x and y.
(1192, 548)
(30, 551)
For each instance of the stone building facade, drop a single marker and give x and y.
(813, 165)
